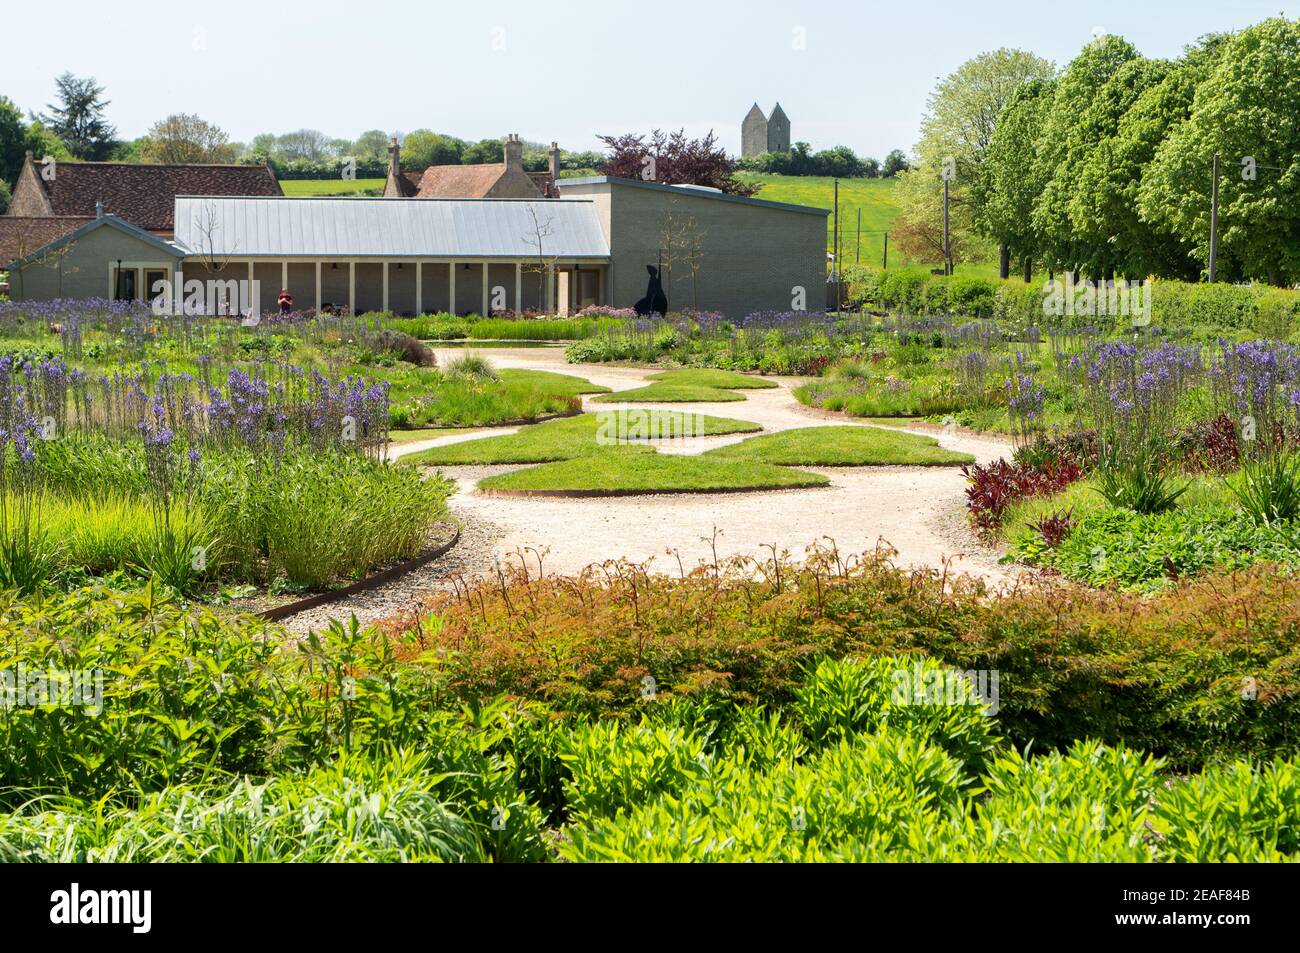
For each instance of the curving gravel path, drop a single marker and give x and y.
(916, 510)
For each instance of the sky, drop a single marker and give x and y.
(846, 73)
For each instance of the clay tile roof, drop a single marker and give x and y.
(144, 194)
(20, 235)
(460, 181)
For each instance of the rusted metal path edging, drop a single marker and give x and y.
(370, 582)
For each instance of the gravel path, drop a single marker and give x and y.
(916, 510)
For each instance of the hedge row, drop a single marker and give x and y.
(1174, 304)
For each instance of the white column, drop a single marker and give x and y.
(318, 287)
(385, 307)
(284, 276)
(419, 288)
(484, 310)
(352, 287)
(451, 271)
(519, 288)
(550, 289)
(254, 301)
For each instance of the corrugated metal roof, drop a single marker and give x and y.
(390, 228)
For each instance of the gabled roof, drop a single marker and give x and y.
(21, 235)
(387, 228)
(755, 113)
(107, 221)
(778, 112)
(460, 181)
(144, 194)
(408, 184)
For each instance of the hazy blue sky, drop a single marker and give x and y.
(483, 69)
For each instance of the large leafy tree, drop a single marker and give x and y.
(186, 138)
(371, 144)
(1105, 206)
(78, 118)
(423, 148)
(677, 159)
(13, 140)
(1007, 188)
(958, 127)
(1246, 109)
(1061, 150)
(962, 112)
(894, 163)
(1101, 203)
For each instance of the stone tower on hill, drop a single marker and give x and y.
(759, 134)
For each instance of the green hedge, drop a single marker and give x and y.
(1175, 304)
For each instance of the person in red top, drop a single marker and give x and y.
(286, 301)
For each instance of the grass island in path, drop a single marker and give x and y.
(623, 473)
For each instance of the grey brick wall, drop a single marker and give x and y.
(753, 256)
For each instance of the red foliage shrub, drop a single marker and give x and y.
(994, 488)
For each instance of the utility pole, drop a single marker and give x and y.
(857, 244)
(947, 250)
(835, 267)
(884, 263)
(1214, 219)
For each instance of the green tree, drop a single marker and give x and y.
(184, 138)
(1008, 187)
(372, 144)
(13, 140)
(78, 118)
(6, 196)
(41, 143)
(960, 119)
(962, 112)
(894, 163)
(1106, 205)
(1245, 110)
(423, 148)
(1102, 206)
(483, 151)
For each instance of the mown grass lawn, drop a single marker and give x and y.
(631, 473)
(320, 187)
(846, 446)
(709, 377)
(427, 433)
(562, 385)
(667, 392)
(572, 437)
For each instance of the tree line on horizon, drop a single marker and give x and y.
(1105, 167)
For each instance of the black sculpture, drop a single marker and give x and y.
(655, 301)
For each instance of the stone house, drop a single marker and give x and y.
(143, 194)
(490, 180)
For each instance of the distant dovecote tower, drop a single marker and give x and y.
(753, 133)
(778, 131)
(759, 134)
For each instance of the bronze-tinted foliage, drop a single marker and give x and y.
(1205, 670)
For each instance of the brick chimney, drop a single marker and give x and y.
(514, 153)
(394, 158)
(555, 162)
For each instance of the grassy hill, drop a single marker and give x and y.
(875, 197)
